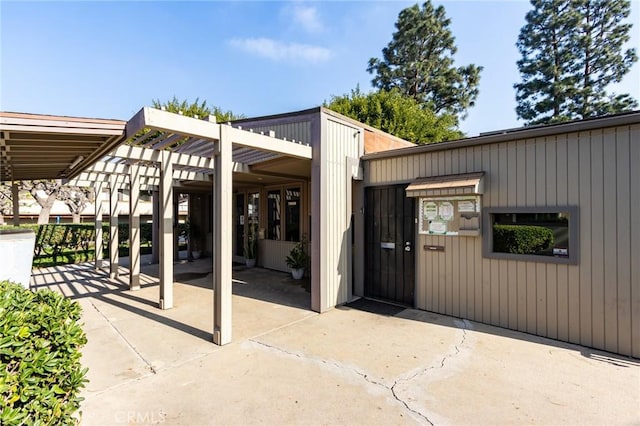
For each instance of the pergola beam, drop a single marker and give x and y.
(147, 154)
(268, 143)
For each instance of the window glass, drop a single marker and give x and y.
(253, 209)
(292, 214)
(273, 214)
(535, 233)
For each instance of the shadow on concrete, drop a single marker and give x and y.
(83, 281)
(259, 284)
(387, 309)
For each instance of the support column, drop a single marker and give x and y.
(166, 231)
(15, 198)
(99, 246)
(155, 228)
(134, 228)
(113, 226)
(222, 241)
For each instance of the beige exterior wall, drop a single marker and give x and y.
(272, 254)
(335, 161)
(300, 131)
(594, 303)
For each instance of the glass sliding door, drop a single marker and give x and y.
(253, 215)
(273, 215)
(292, 214)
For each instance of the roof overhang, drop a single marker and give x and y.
(34, 146)
(86, 150)
(447, 185)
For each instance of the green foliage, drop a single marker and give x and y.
(196, 109)
(522, 239)
(65, 257)
(40, 371)
(572, 50)
(65, 243)
(399, 115)
(419, 62)
(297, 257)
(52, 239)
(251, 249)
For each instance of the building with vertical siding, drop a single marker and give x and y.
(534, 229)
(583, 175)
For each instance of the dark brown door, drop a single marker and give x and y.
(390, 244)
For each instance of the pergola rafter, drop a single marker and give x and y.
(154, 150)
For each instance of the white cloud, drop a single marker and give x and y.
(306, 17)
(282, 51)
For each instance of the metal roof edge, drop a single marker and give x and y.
(308, 111)
(51, 117)
(627, 118)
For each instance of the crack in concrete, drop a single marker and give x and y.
(392, 388)
(147, 363)
(456, 351)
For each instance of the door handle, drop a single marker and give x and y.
(407, 246)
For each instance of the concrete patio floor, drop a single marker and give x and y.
(365, 363)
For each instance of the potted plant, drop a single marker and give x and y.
(251, 251)
(195, 240)
(297, 260)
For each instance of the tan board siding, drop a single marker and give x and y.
(595, 303)
(272, 254)
(299, 131)
(340, 143)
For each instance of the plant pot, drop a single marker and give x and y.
(297, 273)
(250, 263)
(196, 254)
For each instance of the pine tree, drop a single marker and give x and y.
(547, 65)
(571, 51)
(600, 42)
(419, 62)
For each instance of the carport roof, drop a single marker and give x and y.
(82, 150)
(36, 146)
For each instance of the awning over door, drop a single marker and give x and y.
(447, 185)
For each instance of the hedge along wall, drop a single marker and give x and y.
(522, 239)
(58, 244)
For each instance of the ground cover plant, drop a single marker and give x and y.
(40, 371)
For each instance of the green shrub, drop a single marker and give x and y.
(40, 371)
(522, 239)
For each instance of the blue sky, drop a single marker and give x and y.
(108, 59)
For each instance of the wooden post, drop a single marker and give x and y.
(99, 246)
(113, 226)
(222, 239)
(166, 231)
(134, 227)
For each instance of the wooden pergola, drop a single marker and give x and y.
(151, 151)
